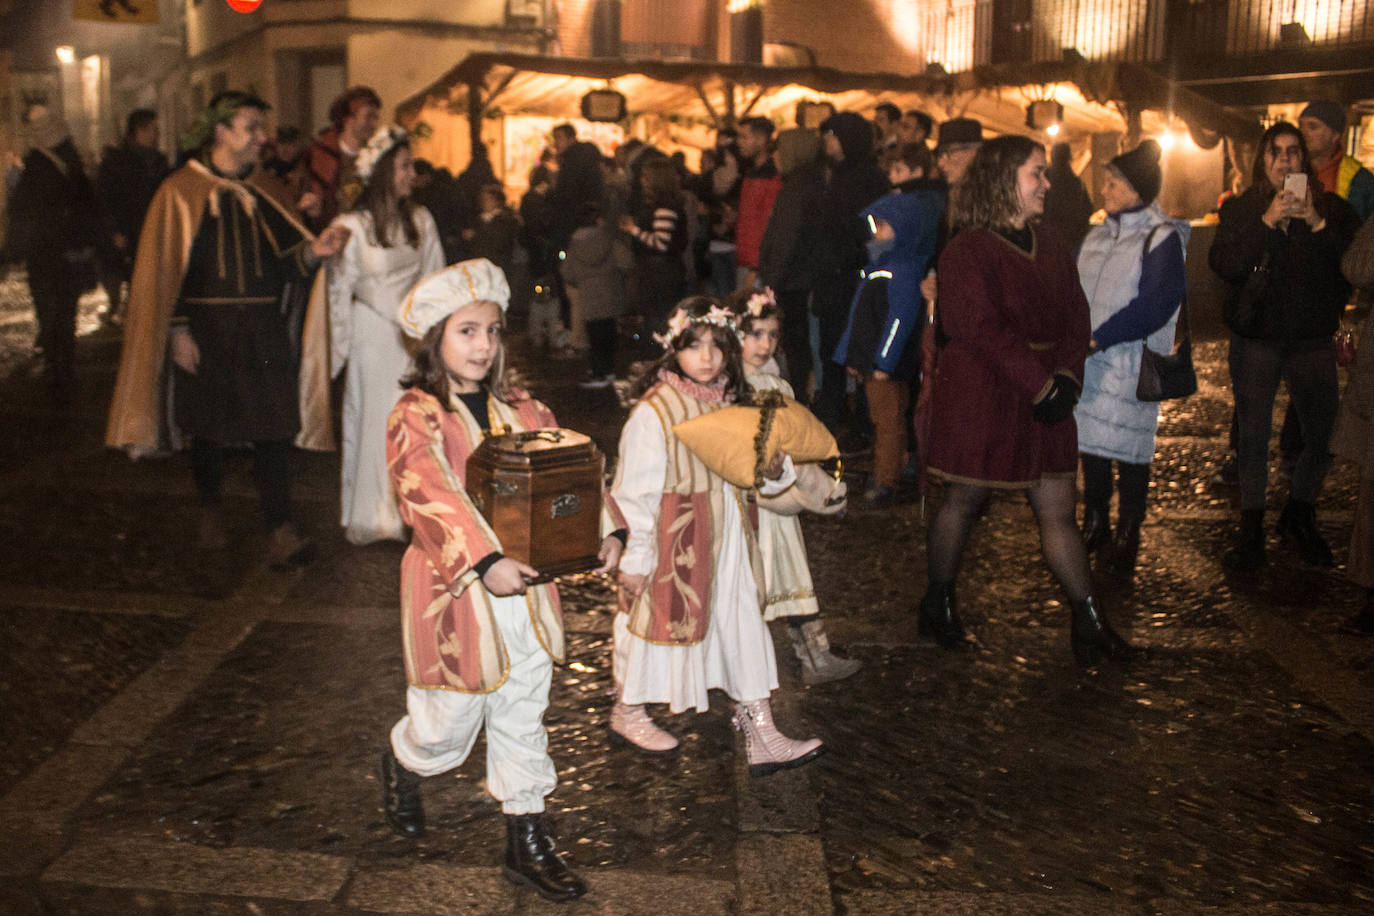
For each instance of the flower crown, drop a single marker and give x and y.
(759, 301)
(383, 141)
(719, 316)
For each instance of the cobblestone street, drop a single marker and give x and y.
(198, 735)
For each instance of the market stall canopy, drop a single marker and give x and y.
(1096, 96)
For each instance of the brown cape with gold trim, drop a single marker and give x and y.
(137, 421)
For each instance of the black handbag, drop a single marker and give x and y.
(1166, 376)
(1243, 315)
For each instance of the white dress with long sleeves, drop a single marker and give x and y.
(781, 545)
(366, 285)
(736, 655)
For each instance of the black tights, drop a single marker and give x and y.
(271, 471)
(1132, 484)
(1051, 498)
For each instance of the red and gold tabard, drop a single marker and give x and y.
(675, 606)
(453, 643)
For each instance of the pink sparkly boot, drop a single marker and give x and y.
(631, 724)
(768, 749)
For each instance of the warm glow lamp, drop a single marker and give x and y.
(243, 6)
(1043, 114)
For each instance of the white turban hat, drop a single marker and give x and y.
(441, 294)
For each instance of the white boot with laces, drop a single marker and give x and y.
(768, 749)
(633, 725)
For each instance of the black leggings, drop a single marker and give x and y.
(1133, 483)
(601, 336)
(796, 338)
(271, 471)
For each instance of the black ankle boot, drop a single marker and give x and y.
(937, 617)
(1363, 622)
(1249, 553)
(1093, 637)
(1125, 547)
(1097, 528)
(401, 797)
(1298, 526)
(532, 861)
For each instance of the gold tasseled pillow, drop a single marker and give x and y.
(737, 442)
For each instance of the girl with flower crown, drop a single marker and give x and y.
(690, 593)
(393, 243)
(787, 580)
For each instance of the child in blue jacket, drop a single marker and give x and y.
(880, 345)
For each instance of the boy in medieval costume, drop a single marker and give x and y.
(480, 635)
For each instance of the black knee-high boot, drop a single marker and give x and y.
(1097, 528)
(938, 617)
(1125, 547)
(401, 797)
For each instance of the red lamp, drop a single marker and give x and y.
(243, 6)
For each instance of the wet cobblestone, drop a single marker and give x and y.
(57, 669)
(294, 768)
(1232, 769)
(1004, 769)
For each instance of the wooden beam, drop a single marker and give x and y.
(474, 115)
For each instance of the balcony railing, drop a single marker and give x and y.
(959, 34)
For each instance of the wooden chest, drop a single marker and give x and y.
(540, 491)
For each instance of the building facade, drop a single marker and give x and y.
(301, 54)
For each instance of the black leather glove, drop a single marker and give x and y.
(1056, 405)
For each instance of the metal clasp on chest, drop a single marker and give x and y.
(503, 488)
(566, 504)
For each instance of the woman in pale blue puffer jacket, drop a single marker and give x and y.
(1131, 268)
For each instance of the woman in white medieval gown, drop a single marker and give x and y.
(393, 244)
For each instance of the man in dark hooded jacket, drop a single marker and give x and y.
(788, 240)
(1067, 204)
(853, 181)
(54, 226)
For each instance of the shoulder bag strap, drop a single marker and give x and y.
(1182, 306)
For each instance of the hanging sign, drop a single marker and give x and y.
(116, 12)
(603, 105)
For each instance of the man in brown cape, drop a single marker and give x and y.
(213, 258)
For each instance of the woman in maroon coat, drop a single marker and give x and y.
(1015, 327)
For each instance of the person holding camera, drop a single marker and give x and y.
(1279, 245)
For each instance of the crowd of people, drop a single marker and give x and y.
(950, 306)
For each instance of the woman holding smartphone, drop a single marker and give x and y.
(1279, 245)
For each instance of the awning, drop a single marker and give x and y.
(1096, 96)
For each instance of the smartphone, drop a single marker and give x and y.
(1295, 183)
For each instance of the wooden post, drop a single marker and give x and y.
(1133, 128)
(474, 118)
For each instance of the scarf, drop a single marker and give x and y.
(714, 392)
